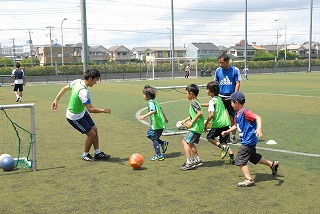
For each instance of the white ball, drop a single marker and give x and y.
(179, 124)
(3, 156)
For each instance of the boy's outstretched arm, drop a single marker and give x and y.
(258, 130)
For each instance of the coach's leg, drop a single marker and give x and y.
(91, 138)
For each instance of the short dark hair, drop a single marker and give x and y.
(225, 57)
(149, 91)
(193, 88)
(213, 87)
(93, 73)
(17, 65)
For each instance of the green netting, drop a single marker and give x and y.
(15, 139)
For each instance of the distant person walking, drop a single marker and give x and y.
(229, 79)
(187, 70)
(245, 72)
(19, 81)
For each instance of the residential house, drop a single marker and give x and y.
(99, 54)
(139, 53)
(238, 51)
(119, 54)
(271, 48)
(298, 49)
(222, 49)
(314, 49)
(203, 50)
(43, 53)
(164, 52)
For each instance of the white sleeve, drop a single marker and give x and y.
(211, 106)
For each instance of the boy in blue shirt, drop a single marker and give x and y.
(249, 126)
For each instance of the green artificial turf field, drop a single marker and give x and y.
(63, 183)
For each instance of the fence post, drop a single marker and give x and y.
(67, 73)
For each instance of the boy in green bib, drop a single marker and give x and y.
(219, 118)
(195, 125)
(157, 123)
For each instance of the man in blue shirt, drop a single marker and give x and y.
(229, 79)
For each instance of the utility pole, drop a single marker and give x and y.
(30, 44)
(13, 49)
(51, 60)
(62, 54)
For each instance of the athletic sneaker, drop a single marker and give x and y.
(164, 146)
(224, 151)
(18, 99)
(87, 157)
(233, 139)
(197, 162)
(158, 158)
(101, 156)
(274, 167)
(231, 161)
(246, 183)
(187, 166)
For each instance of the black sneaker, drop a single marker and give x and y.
(87, 157)
(274, 167)
(101, 156)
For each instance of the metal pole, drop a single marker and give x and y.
(246, 35)
(84, 36)
(51, 60)
(310, 36)
(172, 30)
(277, 44)
(285, 40)
(62, 54)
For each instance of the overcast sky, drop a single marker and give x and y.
(147, 23)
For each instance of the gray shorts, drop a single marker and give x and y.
(192, 137)
(247, 153)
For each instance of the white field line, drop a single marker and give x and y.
(262, 148)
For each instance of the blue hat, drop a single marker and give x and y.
(238, 97)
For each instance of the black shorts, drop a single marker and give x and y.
(18, 86)
(247, 153)
(227, 104)
(216, 132)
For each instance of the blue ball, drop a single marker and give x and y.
(7, 163)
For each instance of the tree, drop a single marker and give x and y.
(262, 55)
(5, 62)
(30, 62)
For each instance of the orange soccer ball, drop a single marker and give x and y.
(136, 161)
(208, 125)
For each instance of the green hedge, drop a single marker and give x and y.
(142, 67)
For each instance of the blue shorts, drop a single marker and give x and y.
(192, 137)
(84, 124)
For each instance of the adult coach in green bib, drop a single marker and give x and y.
(77, 112)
